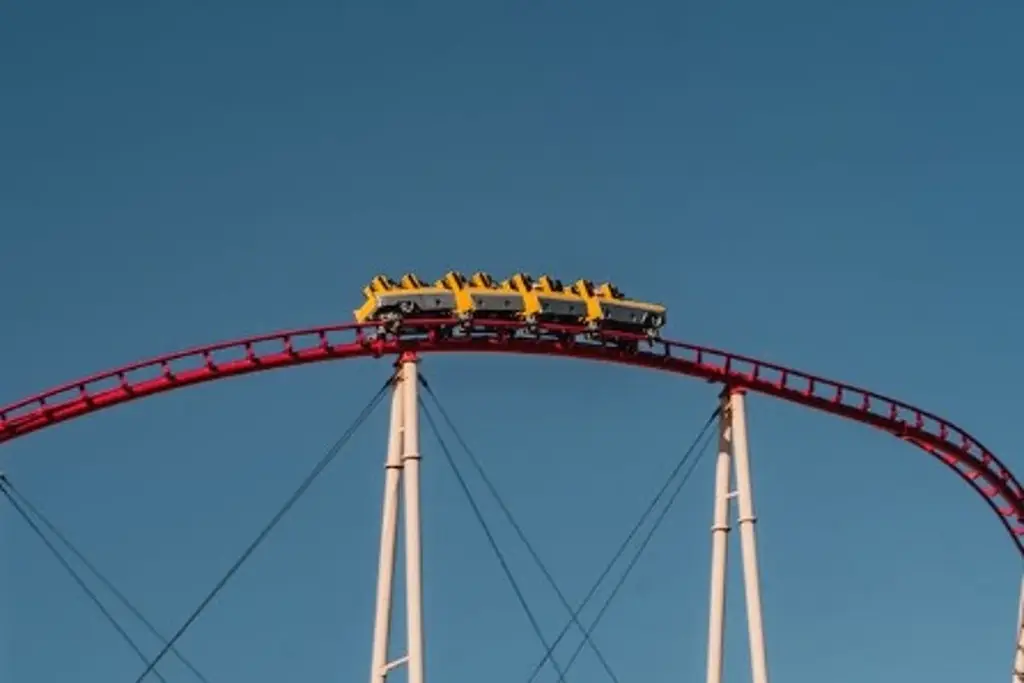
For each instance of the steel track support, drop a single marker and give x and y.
(401, 480)
(734, 461)
(719, 553)
(1018, 655)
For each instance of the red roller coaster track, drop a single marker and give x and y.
(961, 452)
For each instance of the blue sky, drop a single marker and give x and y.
(834, 186)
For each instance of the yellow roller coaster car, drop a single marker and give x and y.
(387, 300)
(608, 308)
(546, 300)
(517, 298)
(480, 297)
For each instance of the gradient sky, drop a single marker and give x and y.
(834, 186)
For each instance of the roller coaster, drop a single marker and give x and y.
(543, 317)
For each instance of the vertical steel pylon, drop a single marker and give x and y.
(1018, 655)
(401, 479)
(734, 460)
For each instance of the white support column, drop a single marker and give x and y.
(748, 539)
(719, 550)
(413, 543)
(401, 479)
(388, 540)
(734, 461)
(1018, 655)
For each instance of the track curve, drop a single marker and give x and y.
(957, 449)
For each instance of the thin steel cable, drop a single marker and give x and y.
(491, 540)
(289, 503)
(643, 546)
(66, 542)
(629, 537)
(75, 576)
(518, 529)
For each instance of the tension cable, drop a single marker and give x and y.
(5, 488)
(478, 466)
(491, 540)
(643, 544)
(698, 445)
(326, 460)
(107, 583)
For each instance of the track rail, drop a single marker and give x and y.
(960, 451)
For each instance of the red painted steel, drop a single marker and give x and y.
(961, 452)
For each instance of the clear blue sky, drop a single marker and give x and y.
(834, 186)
